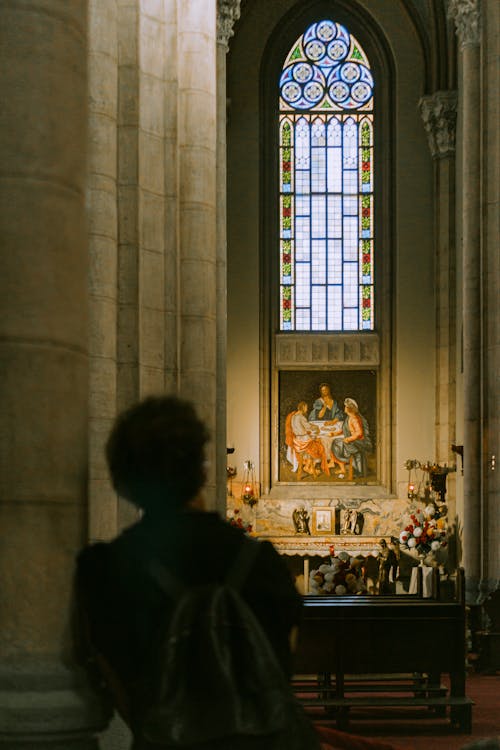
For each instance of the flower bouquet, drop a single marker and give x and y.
(425, 532)
(343, 575)
(237, 521)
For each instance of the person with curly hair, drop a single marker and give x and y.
(156, 458)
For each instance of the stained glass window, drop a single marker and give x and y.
(326, 183)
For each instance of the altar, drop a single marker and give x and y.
(320, 546)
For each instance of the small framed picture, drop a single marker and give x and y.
(322, 521)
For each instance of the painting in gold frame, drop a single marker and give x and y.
(323, 521)
(311, 440)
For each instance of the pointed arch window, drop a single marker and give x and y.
(326, 183)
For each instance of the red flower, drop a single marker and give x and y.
(366, 257)
(287, 304)
(286, 166)
(287, 258)
(365, 166)
(366, 303)
(365, 212)
(287, 211)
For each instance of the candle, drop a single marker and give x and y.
(306, 575)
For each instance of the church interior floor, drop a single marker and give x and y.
(419, 733)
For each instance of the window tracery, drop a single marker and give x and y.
(326, 183)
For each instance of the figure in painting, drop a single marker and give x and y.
(305, 451)
(351, 450)
(325, 407)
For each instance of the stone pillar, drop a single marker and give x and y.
(466, 15)
(491, 270)
(43, 370)
(228, 11)
(142, 272)
(128, 312)
(171, 228)
(153, 62)
(439, 114)
(103, 239)
(197, 139)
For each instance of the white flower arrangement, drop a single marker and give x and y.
(344, 575)
(425, 531)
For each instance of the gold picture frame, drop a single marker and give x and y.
(323, 521)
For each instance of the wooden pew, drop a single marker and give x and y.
(360, 649)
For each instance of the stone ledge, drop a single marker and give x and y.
(305, 545)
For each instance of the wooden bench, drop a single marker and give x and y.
(383, 651)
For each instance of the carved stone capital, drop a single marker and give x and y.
(439, 113)
(228, 12)
(467, 17)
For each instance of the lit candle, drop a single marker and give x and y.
(306, 575)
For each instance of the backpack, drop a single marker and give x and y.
(220, 684)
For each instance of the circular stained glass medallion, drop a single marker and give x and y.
(302, 72)
(313, 91)
(339, 91)
(291, 92)
(361, 92)
(337, 50)
(350, 72)
(315, 50)
(326, 30)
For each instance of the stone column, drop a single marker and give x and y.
(171, 228)
(439, 114)
(466, 15)
(141, 347)
(103, 239)
(197, 140)
(491, 190)
(491, 269)
(128, 148)
(43, 370)
(228, 11)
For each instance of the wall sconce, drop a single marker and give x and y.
(437, 479)
(248, 488)
(410, 465)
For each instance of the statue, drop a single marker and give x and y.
(387, 561)
(352, 522)
(300, 518)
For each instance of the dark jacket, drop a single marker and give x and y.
(127, 613)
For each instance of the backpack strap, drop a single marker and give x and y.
(169, 584)
(242, 563)
(235, 577)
